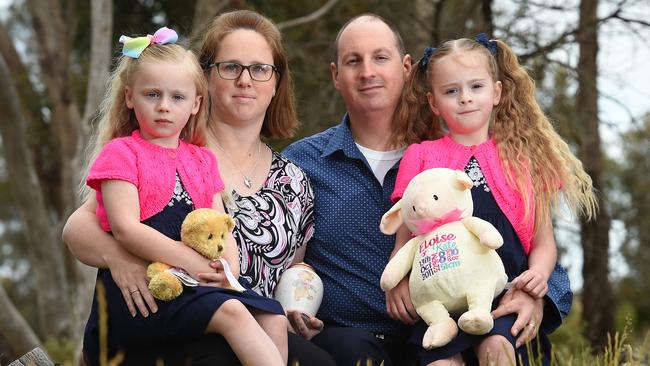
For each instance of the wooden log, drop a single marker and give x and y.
(35, 357)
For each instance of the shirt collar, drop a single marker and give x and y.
(342, 139)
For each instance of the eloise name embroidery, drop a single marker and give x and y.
(437, 254)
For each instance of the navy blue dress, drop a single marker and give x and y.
(183, 318)
(515, 262)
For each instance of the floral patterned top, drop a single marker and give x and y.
(474, 172)
(271, 224)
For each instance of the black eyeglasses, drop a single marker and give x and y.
(233, 70)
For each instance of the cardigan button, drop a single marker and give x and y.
(172, 154)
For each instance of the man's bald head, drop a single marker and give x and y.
(368, 17)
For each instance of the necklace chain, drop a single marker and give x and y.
(248, 182)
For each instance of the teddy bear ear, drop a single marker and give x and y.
(392, 219)
(463, 180)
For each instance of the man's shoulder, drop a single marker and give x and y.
(309, 145)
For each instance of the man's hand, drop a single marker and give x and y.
(529, 312)
(303, 324)
(399, 305)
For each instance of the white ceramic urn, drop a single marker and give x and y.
(300, 289)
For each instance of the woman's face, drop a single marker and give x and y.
(242, 99)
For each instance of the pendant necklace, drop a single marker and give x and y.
(247, 180)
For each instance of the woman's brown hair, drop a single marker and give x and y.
(281, 120)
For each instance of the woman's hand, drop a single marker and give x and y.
(529, 310)
(399, 305)
(303, 324)
(216, 278)
(130, 274)
(94, 247)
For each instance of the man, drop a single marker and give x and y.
(352, 168)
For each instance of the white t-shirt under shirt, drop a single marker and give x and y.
(381, 161)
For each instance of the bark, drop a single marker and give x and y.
(486, 16)
(422, 27)
(54, 35)
(598, 299)
(460, 18)
(18, 333)
(45, 249)
(100, 56)
(204, 11)
(19, 73)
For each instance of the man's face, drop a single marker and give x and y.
(371, 72)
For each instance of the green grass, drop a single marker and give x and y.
(570, 347)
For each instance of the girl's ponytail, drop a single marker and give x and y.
(414, 121)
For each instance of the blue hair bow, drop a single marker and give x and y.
(483, 39)
(424, 61)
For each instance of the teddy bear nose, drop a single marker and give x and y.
(220, 247)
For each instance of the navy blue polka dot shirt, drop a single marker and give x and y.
(347, 250)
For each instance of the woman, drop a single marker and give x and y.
(270, 198)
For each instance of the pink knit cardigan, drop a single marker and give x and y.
(152, 169)
(445, 153)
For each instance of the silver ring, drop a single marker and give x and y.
(531, 325)
(134, 291)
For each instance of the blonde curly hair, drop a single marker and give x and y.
(528, 144)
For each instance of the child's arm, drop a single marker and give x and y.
(123, 212)
(398, 299)
(541, 262)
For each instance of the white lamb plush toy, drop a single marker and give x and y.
(452, 258)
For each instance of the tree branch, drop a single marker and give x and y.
(20, 73)
(307, 18)
(562, 38)
(13, 326)
(644, 23)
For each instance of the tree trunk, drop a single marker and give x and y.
(45, 249)
(100, 57)
(597, 299)
(20, 336)
(460, 18)
(204, 11)
(54, 36)
(421, 27)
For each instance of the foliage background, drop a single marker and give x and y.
(49, 54)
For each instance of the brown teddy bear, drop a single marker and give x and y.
(203, 230)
